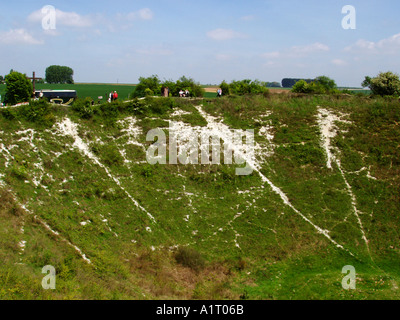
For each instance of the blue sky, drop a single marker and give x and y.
(210, 41)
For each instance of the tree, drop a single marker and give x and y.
(385, 84)
(146, 85)
(321, 85)
(1, 79)
(273, 84)
(327, 83)
(290, 82)
(189, 84)
(172, 88)
(225, 88)
(243, 87)
(301, 87)
(59, 74)
(18, 88)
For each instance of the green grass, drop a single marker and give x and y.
(280, 255)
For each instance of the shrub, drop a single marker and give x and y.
(321, 85)
(19, 172)
(110, 111)
(147, 85)
(19, 88)
(148, 92)
(190, 258)
(225, 88)
(84, 108)
(184, 83)
(385, 84)
(147, 171)
(194, 88)
(8, 113)
(290, 82)
(37, 111)
(301, 87)
(152, 86)
(244, 87)
(328, 84)
(160, 106)
(137, 107)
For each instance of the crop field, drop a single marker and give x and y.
(84, 90)
(77, 193)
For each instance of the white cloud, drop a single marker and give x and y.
(69, 19)
(271, 64)
(248, 18)
(339, 62)
(155, 51)
(18, 36)
(361, 44)
(114, 23)
(124, 21)
(223, 57)
(51, 32)
(271, 55)
(389, 45)
(142, 14)
(145, 14)
(224, 34)
(296, 51)
(307, 49)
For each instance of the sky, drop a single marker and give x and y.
(209, 41)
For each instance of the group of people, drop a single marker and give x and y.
(113, 96)
(165, 92)
(185, 93)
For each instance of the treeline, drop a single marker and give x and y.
(244, 87)
(290, 82)
(320, 85)
(385, 84)
(153, 86)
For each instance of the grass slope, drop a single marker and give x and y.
(65, 198)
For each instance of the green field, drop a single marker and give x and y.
(88, 90)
